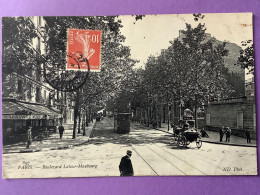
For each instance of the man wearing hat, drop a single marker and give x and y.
(29, 137)
(125, 166)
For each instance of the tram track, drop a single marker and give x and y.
(144, 160)
(205, 161)
(136, 151)
(108, 122)
(180, 159)
(166, 160)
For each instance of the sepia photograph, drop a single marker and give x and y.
(128, 95)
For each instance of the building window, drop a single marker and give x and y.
(50, 98)
(30, 92)
(44, 95)
(30, 89)
(20, 86)
(38, 92)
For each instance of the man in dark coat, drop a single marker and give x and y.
(228, 134)
(125, 166)
(248, 137)
(61, 130)
(221, 133)
(29, 137)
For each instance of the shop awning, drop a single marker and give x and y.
(13, 109)
(41, 109)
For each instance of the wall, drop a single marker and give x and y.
(238, 114)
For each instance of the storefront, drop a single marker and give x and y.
(18, 115)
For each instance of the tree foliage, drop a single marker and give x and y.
(191, 66)
(116, 63)
(190, 70)
(18, 53)
(246, 58)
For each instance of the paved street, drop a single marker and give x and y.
(154, 153)
(53, 141)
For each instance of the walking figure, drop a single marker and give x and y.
(29, 137)
(125, 166)
(61, 130)
(186, 126)
(159, 121)
(248, 137)
(221, 133)
(228, 134)
(204, 133)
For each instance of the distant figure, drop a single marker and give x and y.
(159, 121)
(154, 123)
(61, 130)
(248, 137)
(175, 130)
(29, 137)
(98, 118)
(125, 166)
(228, 134)
(186, 126)
(173, 126)
(221, 133)
(204, 133)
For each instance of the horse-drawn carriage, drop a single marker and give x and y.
(187, 136)
(186, 132)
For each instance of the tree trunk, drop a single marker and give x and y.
(64, 99)
(84, 124)
(169, 117)
(87, 118)
(76, 109)
(173, 112)
(79, 114)
(164, 113)
(196, 115)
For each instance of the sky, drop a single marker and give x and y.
(153, 33)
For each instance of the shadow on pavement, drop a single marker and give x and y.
(104, 133)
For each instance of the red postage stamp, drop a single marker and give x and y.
(82, 45)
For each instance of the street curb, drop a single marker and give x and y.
(54, 148)
(211, 142)
(229, 144)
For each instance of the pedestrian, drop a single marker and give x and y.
(248, 137)
(173, 128)
(186, 126)
(159, 121)
(29, 137)
(228, 134)
(125, 166)
(204, 133)
(61, 130)
(221, 133)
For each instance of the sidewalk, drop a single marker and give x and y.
(53, 142)
(214, 138)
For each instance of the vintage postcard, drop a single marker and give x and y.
(141, 95)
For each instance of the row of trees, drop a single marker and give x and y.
(115, 59)
(20, 57)
(190, 72)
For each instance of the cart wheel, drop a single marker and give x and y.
(182, 141)
(198, 142)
